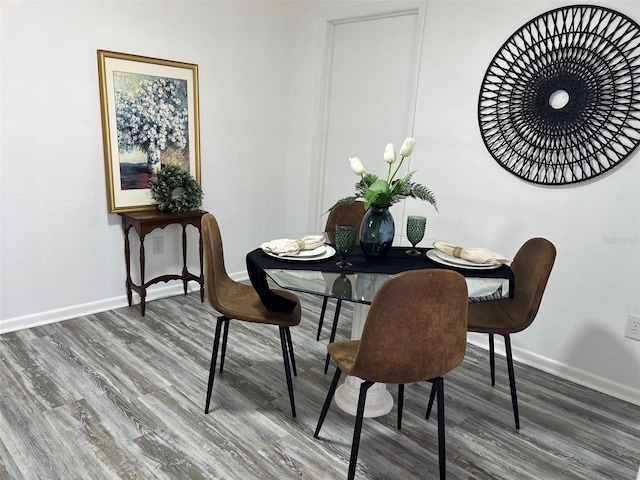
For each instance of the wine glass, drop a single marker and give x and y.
(345, 241)
(415, 232)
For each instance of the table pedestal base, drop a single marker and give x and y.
(379, 401)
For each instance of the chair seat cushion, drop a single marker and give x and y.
(491, 317)
(344, 354)
(241, 302)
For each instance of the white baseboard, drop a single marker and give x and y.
(561, 370)
(553, 367)
(153, 293)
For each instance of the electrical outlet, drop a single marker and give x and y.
(633, 327)
(158, 244)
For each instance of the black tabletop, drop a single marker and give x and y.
(395, 261)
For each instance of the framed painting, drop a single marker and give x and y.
(150, 120)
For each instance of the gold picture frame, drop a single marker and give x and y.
(150, 118)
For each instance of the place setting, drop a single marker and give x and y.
(474, 258)
(309, 248)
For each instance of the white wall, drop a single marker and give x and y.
(595, 225)
(60, 247)
(260, 82)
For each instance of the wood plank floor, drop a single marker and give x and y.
(117, 395)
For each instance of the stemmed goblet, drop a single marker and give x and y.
(415, 232)
(345, 241)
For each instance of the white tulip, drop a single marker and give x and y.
(390, 154)
(357, 166)
(407, 147)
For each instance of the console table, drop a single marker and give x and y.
(145, 222)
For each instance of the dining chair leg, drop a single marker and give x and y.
(442, 455)
(492, 359)
(355, 445)
(327, 401)
(291, 355)
(223, 352)
(321, 321)
(332, 337)
(432, 397)
(214, 358)
(287, 369)
(400, 404)
(512, 380)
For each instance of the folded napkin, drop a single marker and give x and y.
(475, 255)
(287, 246)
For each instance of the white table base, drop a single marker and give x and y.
(379, 401)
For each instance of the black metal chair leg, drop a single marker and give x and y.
(287, 369)
(432, 397)
(400, 404)
(442, 456)
(492, 359)
(291, 355)
(321, 321)
(334, 328)
(512, 380)
(327, 401)
(353, 460)
(214, 358)
(223, 353)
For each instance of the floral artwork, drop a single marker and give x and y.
(152, 124)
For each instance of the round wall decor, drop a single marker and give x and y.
(560, 101)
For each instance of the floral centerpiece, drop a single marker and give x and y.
(377, 229)
(385, 192)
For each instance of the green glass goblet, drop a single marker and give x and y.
(415, 232)
(345, 242)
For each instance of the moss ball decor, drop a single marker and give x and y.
(175, 190)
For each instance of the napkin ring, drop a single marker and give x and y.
(457, 252)
(300, 244)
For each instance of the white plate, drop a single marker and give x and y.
(444, 259)
(321, 253)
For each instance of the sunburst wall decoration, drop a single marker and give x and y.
(560, 101)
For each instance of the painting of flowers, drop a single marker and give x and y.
(150, 121)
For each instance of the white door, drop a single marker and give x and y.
(371, 76)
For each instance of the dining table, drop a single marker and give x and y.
(320, 275)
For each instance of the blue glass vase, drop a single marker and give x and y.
(376, 231)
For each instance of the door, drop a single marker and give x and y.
(372, 64)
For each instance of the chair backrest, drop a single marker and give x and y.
(531, 270)
(215, 273)
(350, 213)
(416, 328)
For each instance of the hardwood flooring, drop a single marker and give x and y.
(117, 395)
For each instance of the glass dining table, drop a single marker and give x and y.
(359, 284)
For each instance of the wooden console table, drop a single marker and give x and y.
(145, 222)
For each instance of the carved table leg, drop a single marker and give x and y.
(127, 259)
(201, 267)
(143, 288)
(185, 273)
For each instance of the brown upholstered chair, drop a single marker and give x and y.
(234, 300)
(531, 268)
(416, 330)
(350, 213)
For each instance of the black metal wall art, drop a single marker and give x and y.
(560, 101)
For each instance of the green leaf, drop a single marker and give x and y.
(422, 193)
(380, 187)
